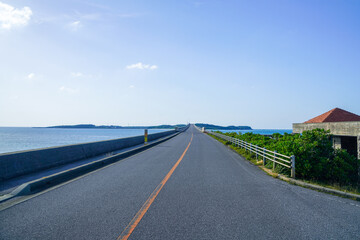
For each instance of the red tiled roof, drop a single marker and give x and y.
(335, 115)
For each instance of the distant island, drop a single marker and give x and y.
(207, 126)
(118, 127)
(216, 127)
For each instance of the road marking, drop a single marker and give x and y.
(139, 215)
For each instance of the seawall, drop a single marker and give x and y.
(21, 163)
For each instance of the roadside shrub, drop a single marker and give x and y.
(316, 159)
(343, 168)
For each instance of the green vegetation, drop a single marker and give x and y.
(316, 159)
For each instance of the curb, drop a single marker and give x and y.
(311, 186)
(304, 184)
(320, 188)
(57, 178)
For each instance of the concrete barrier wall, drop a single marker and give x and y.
(155, 136)
(20, 163)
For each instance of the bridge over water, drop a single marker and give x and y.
(188, 187)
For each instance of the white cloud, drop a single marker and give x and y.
(81, 75)
(74, 26)
(142, 66)
(13, 17)
(67, 90)
(31, 75)
(131, 86)
(77, 74)
(153, 67)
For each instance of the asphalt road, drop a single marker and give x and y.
(212, 194)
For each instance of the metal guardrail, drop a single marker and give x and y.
(197, 127)
(275, 157)
(182, 129)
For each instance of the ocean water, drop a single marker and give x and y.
(23, 138)
(262, 131)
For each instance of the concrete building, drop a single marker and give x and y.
(343, 125)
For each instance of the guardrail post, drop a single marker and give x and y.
(256, 152)
(274, 160)
(250, 147)
(264, 156)
(292, 166)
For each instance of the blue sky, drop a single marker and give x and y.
(266, 64)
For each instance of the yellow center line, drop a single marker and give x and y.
(139, 215)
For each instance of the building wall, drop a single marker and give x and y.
(346, 134)
(336, 128)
